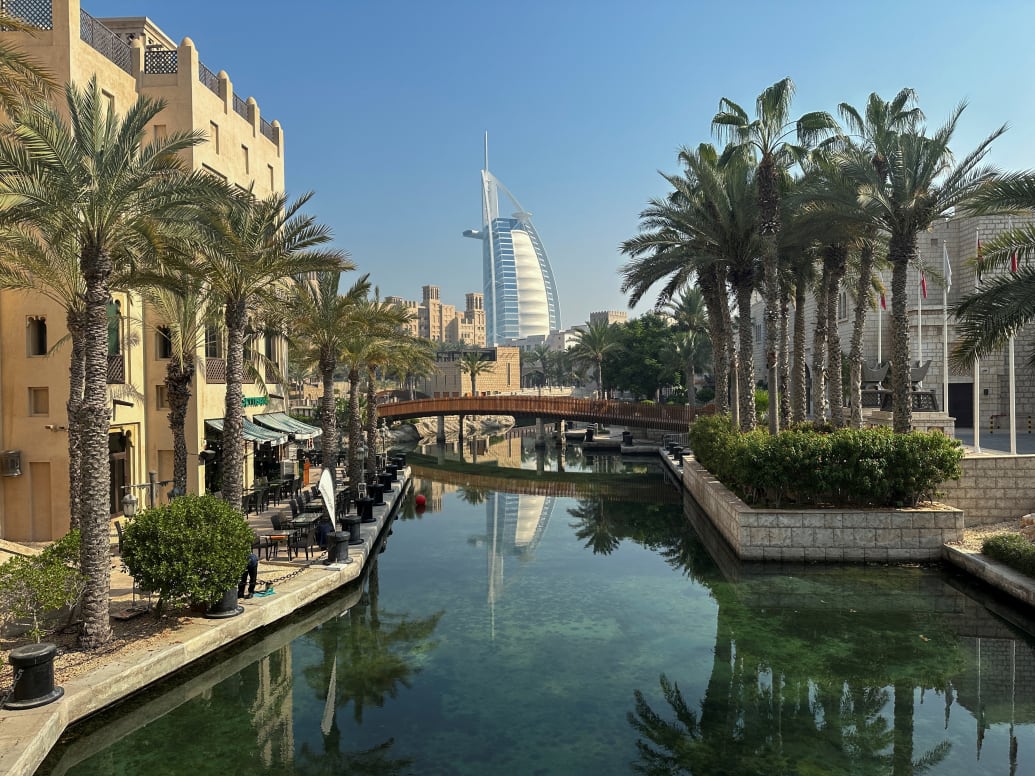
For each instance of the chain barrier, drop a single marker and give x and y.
(17, 676)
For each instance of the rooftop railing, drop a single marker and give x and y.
(207, 77)
(35, 13)
(105, 41)
(240, 106)
(267, 129)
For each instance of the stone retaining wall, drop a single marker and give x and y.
(993, 488)
(833, 535)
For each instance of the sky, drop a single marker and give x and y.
(384, 106)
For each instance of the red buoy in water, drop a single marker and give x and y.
(420, 500)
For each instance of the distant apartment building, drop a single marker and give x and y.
(449, 379)
(608, 317)
(129, 57)
(438, 322)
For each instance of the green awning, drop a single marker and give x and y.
(281, 421)
(252, 432)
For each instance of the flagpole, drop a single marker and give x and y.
(977, 405)
(880, 307)
(945, 329)
(920, 321)
(1013, 371)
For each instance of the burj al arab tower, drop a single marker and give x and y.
(520, 292)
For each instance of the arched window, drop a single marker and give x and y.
(37, 335)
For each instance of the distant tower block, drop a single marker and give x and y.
(520, 292)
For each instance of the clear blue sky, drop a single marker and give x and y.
(384, 105)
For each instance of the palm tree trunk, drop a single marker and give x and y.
(355, 433)
(769, 229)
(178, 377)
(747, 372)
(94, 418)
(799, 374)
(834, 375)
(76, 381)
(600, 376)
(900, 253)
(855, 354)
(785, 356)
(328, 416)
(233, 416)
(820, 407)
(371, 423)
(713, 288)
(734, 386)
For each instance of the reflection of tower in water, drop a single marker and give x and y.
(272, 710)
(515, 523)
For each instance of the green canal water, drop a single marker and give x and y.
(543, 624)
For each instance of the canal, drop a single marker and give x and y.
(574, 614)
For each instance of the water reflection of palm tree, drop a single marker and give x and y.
(377, 653)
(593, 526)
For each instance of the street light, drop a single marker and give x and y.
(129, 504)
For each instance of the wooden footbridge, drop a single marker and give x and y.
(661, 417)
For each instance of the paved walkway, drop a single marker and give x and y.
(27, 736)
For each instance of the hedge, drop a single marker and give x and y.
(818, 466)
(1014, 550)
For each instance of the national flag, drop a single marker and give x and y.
(883, 301)
(923, 284)
(1013, 254)
(979, 257)
(948, 267)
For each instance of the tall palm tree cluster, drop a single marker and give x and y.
(798, 208)
(91, 205)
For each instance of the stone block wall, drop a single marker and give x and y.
(829, 535)
(993, 488)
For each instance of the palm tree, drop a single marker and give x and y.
(923, 181)
(22, 80)
(249, 248)
(592, 344)
(383, 322)
(1000, 306)
(93, 180)
(183, 308)
(541, 355)
(319, 326)
(767, 138)
(472, 363)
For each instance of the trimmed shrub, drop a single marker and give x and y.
(33, 587)
(1014, 550)
(845, 467)
(190, 550)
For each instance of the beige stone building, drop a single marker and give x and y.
(956, 238)
(129, 57)
(450, 380)
(433, 320)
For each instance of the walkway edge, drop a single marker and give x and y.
(27, 736)
(992, 572)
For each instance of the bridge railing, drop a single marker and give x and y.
(650, 416)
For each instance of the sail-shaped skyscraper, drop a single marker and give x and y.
(520, 292)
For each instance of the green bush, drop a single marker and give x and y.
(1014, 550)
(805, 465)
(32, 587)
(705, 394)
(192, 549)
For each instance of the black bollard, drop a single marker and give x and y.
(33, 666)
(377, 492)
(338, 547)
(386, 482)
(351, 522)
(225, 607)
(365, 507)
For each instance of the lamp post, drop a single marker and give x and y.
(129, 504)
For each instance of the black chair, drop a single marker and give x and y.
(118, 530)
(301, 539)
(277, 519)
(294, 508)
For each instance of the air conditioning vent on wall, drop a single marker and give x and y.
(10, 463)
